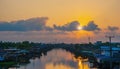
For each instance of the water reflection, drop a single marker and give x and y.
(83, 64)
(56, 59)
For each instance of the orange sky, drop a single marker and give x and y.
(59, 12)
(62, 11)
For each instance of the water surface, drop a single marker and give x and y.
(56, 59)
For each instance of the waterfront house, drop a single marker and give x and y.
(2, 56)
(104, 58)
(105, 50)
(13, 50)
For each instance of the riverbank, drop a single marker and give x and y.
(26, 51)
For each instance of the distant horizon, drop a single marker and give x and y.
(57, 42)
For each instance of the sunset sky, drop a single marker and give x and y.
(51, 21)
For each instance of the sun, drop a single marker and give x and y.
(79, 28)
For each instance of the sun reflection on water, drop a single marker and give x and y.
(57, 59)
(82, 63)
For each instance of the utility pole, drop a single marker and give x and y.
(89, 40)
(110, 39)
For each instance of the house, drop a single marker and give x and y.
(11, 50)
(2, 56)
(105, 50)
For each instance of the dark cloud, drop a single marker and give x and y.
(72, 26)
(91, 26)
(39, 24)
(32, 24)
(113, 28)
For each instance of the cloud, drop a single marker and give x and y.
(32, 24)
(72, 26)
(91, 26)
(113, 28)
(39, 24)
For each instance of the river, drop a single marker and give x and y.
(56, 59)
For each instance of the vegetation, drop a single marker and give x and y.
(18, 45)
(28, 45)
(7, 64)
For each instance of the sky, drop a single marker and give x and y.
(51, 21)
